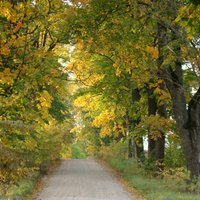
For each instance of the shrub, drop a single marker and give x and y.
(77, 151)
(115, 150)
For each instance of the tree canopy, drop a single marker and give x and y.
(99, 72)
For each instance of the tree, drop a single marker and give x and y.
(32, 89)
(124, 33)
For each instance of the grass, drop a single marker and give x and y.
(21, 191)
(24, 188)
(27, 188)
(150, 188)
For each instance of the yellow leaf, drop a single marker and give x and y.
(152, 51)
(19, 25)
(5, 50)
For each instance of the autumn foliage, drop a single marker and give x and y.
(98, 72)
(33, 96)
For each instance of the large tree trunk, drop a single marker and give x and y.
(188, 121)
(187, 116)
(193, 127)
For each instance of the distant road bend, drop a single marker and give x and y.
(82, 180)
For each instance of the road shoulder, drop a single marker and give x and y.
(126, 186)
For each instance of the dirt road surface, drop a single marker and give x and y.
(83, 180)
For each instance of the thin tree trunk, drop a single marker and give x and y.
(160, 142)
(152, 107)
(131, 148)
(131, 144)
(139, 146)
(140, 149)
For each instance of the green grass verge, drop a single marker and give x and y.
(150, 188)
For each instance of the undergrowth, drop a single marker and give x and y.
(150, 187)
(171, 184)
(20, 191)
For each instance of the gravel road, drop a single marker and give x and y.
(83, 180)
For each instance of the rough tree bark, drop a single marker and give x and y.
(186, 115)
